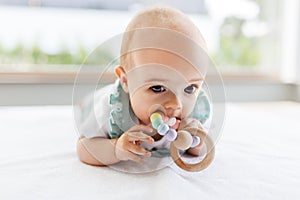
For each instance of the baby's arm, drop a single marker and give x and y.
(102, 151)
(96, 151)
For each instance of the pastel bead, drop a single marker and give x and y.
(162, 129)
(155, 116)
(171, 135)
(156, 122)
(184, 140)
(171, 121)
(196, 141)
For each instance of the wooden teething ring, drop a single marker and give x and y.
(195, 167)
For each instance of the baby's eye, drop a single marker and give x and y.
(157, 88)
(190, 89)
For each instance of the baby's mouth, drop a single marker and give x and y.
(176, 124)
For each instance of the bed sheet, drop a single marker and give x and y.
(257, 157)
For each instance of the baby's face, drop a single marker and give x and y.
(163, 79)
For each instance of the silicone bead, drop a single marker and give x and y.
(171, 121)
(162, 129)
(155, 116)
(196, 141)
(156, 122)
(171, 135)
(184, 140)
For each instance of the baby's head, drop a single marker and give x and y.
(163, 63)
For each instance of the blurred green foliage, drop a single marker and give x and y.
(236, 49)
(35, 55)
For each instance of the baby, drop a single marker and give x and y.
(162, 68)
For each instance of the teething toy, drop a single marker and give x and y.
(182, 140)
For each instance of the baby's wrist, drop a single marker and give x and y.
(114, 143)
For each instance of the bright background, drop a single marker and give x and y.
(254, 43)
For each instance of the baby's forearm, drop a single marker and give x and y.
(97, 151)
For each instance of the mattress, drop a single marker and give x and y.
(257, 157)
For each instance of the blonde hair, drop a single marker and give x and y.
(160, 17)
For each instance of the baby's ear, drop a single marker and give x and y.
(121, 74)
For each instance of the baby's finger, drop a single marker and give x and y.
(139, 150)
(189, 122)
(138, 135)
(143, 128)
(133, 157)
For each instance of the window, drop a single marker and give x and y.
(244, 36)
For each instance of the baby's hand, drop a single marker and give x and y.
(191, 123)
(128, 145)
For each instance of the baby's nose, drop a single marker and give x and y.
(173, 103)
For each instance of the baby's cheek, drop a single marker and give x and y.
(144, 119)
(141, 113)
(186, 111)
(188, 107)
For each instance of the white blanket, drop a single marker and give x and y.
(257, 157)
